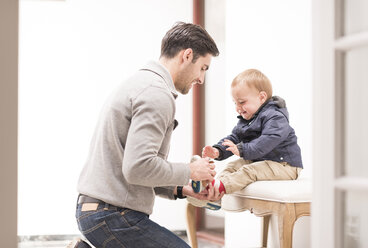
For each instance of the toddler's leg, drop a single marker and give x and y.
(257, 171)
(233, 166)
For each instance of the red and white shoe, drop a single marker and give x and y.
(199, 186)
(218, 184)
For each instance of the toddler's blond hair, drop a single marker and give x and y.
(254, 79)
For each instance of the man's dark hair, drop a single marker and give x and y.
(187, 35)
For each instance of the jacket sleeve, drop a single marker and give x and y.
(222, 149)
(152, 114)
(275, 130)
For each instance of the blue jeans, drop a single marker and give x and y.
(113, 227)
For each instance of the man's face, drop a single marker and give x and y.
(192, 73)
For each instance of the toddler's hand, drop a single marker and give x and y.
(231, 147)
(209, 151)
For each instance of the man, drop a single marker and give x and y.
(126, 165)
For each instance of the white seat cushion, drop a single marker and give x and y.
(288, 191)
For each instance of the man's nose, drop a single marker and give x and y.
(201, 79)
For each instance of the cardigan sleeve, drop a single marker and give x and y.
(153, 114)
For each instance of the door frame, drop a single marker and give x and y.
(329, 181)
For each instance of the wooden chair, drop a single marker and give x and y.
(288, 200)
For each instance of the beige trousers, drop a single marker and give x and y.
(240, 173)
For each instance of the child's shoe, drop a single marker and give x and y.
(204, 203)
(198, 186)
(208, 204)
(218, 184)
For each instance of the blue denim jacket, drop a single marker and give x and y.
(267, 136)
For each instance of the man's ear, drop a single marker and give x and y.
(263, 96)
(188, 55)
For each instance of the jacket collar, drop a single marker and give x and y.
(160, 70)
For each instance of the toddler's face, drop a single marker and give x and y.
(247, 100)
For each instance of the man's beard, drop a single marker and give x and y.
(184, 87)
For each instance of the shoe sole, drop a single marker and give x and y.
(203, 203)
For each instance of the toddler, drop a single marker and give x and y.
(263, 139)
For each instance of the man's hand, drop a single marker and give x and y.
(213, 193)
(211, 152)
(188, 191)
(210, 194)
(201, 170)
(231, 147)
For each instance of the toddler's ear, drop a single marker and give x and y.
(263, 96)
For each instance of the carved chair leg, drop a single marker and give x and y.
(266, 221)
(286, 220)
(191, 225)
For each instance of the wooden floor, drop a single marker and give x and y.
(63, 241)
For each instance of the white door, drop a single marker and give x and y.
(340, 203)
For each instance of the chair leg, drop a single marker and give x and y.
(266, 222)
(286, 220)
(191, 225)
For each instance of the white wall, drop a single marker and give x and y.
(72, 54)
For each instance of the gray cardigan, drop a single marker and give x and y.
(126, 165)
